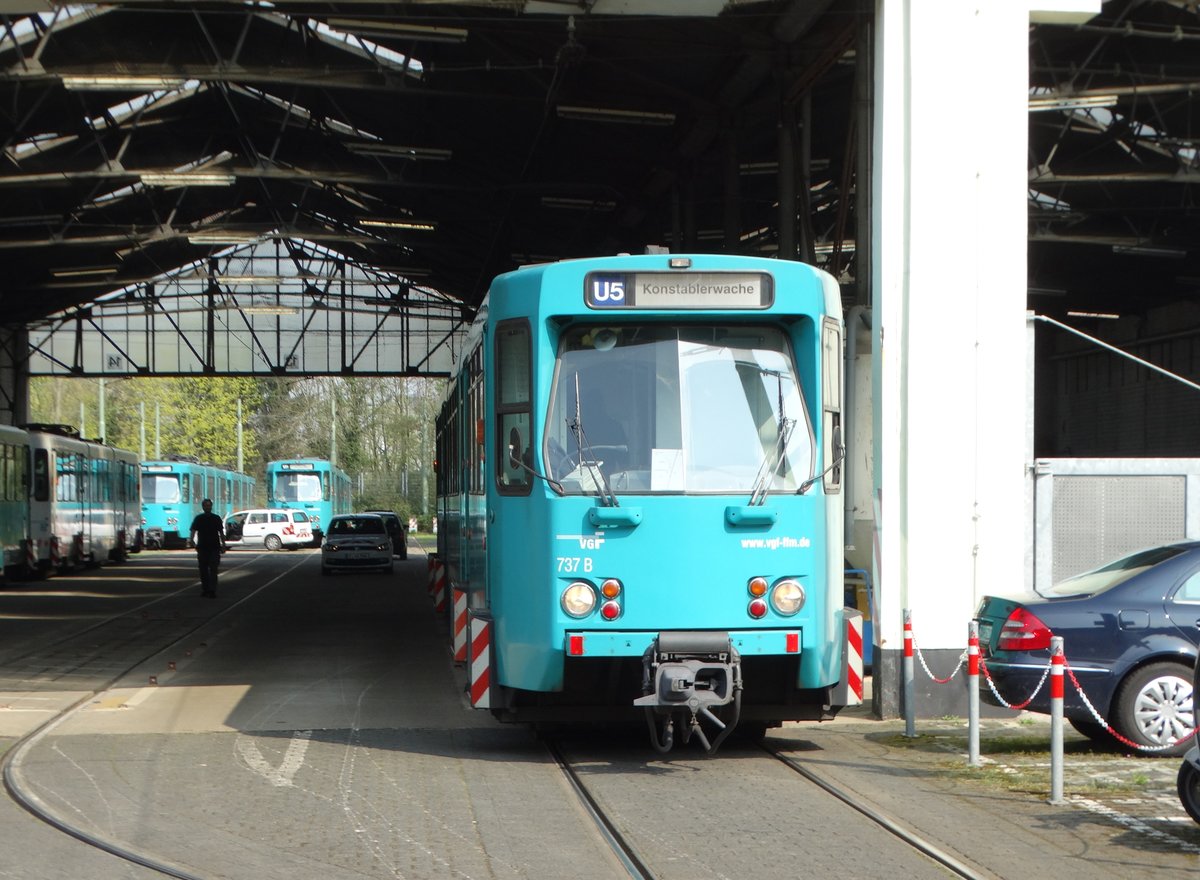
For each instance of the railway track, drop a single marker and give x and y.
(883, 821)
(637, 865)
(134, 652)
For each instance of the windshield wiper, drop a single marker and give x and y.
(783, 433)
(770, 466)
(588, 460)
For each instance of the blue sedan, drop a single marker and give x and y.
(1130, 630)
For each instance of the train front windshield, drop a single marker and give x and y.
(656, 408)
(298, 487)
(160, 489)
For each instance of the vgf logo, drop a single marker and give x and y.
(607, 290)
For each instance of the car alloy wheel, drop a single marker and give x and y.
(1154, 707)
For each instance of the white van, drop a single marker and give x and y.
(273, 529)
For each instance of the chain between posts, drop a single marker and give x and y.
(1058, 670)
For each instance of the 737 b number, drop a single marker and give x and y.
(573, 564)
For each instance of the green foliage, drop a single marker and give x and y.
(383, 436)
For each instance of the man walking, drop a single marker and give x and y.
(208, 537)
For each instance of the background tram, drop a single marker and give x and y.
(14, 499)
(173, 488)
(64, 501)
(639, 478)
(315, 485)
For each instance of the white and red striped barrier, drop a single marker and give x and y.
(854, 659)
(437, 586)
(460, 626)
(480, 685)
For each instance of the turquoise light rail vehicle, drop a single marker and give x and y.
(65, 501)
(172, 492)
(315, 485)
(639, 470)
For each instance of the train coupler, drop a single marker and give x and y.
(685, 675)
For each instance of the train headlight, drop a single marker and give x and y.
(579, 599)
(787, 597)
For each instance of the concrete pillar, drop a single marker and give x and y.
(948, 306)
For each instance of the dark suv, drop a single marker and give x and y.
(395, 529)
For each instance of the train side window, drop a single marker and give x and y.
(831, 403)
(41, 475)
(514, 382)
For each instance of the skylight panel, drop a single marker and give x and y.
(39, 143)
(25, 29)
(1048, 202)
(362, 45)
(351, 130)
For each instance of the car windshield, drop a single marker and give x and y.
(675, 409)
(357, 526)
(1110, 575)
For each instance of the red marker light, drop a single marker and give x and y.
(610, 610)
(575, 646)
(757, 608)
(793, 643)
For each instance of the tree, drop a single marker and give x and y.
(384, 425)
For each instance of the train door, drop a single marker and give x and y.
(514, 529)
(41, 489)
(67, 516)
(475, 513)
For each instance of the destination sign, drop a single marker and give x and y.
(156, 469)
(295, 466)
(679, 290)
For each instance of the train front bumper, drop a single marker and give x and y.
(765, 642)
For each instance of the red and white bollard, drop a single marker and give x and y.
(973, 693)
(1056, 719)
(910, 709)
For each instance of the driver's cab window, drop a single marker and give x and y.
(514, 438)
